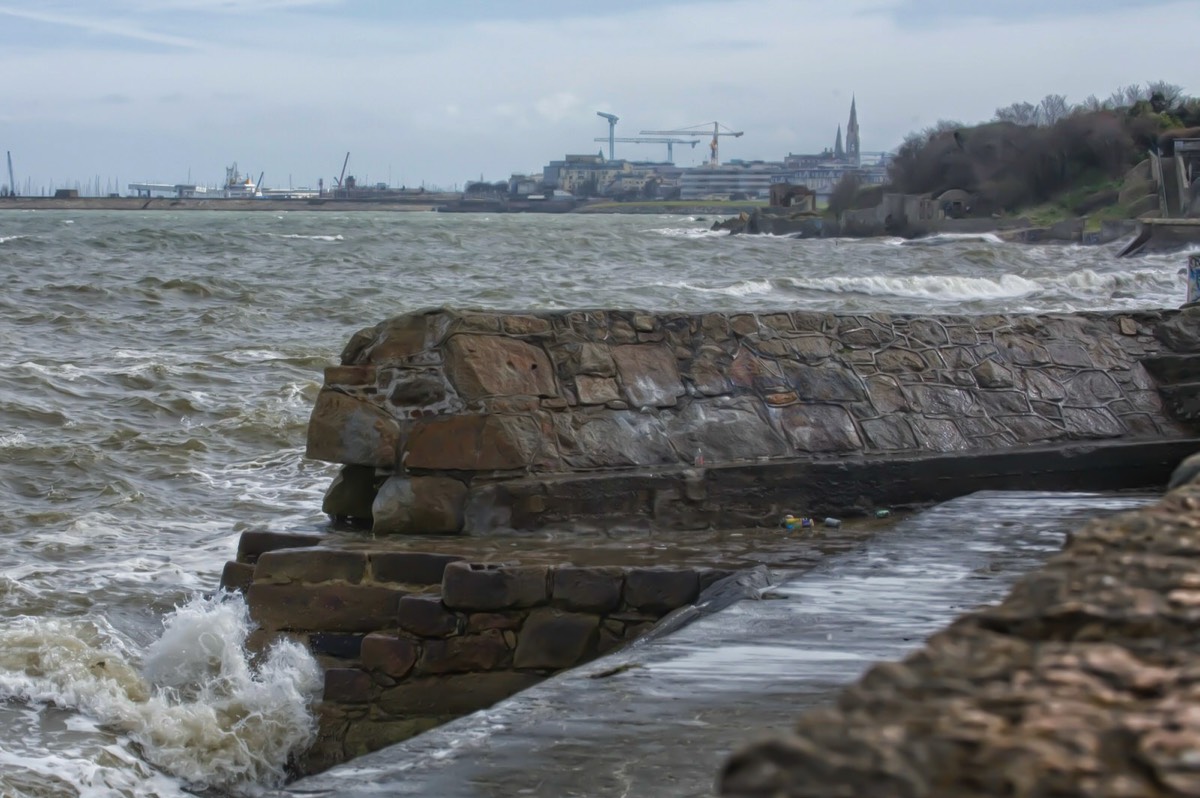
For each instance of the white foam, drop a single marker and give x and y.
(196, 707)
(310, 238)
(941, 288)
(743, 288)
(948, 238)
(688, 232)
(6, 239)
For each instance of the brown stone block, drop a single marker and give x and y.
(504, 621)
(660, 590)
(347, 686)
(257, 542)
(553, 640)
(587, 589)
(399, 338)
(485, 651)
(939, 400)
(890, 433)
(351, 493)
(390, 655)
(331, 607)
(410, 567)
(343, 429)
(649, 373)
(236, 575)
(477, 587)
(744, 324)
(938, 434)
(473, 443)
(426, 616)
(349, 375)
(418, 506)
(819, 428)
(596, 359)
(310, 565)
(453, 694)
(525, 325)
(886, 394)
(899, 361)
(596, 390)
(491, 365)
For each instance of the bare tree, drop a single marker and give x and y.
(1018, 114)
(1127, 96)
(1053, 108)
(1089, 106)
(1170, 92)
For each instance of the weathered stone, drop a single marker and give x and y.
(236, 575)
(811, 349)
(819, 428)
(503, 621)
(781, 399)
(940, 400)
(349, 376)
(485, 651)
(1003, 402)
(619, 438)
(332, 644)
(1095, 422)
(1021, 351)
(660, 590)
(473, 443)
(455, 694)
(396, 339)
(310, 565)
(418, 505)
(347, 686)
(488, 365)
(343, 429)
(416, 389)
(829, 383)
(525, 325)
(596, 390)
(959, 358)
(886, 394)
(724, 433)
(1073, 355)
(410, 567)
(898, 361)
(892, 432)
(594, 589)
(1042, 386)
(476, 587)
(390, 655)
(255, 542)
(425, 616)
(649, 375)
(744, 324)
(1032, 429)
(552, 639)
(990, 374)
(644, 322)
(367, 735)
(859, 338)
(939, 435)
(928, 332)
(351, 494)
(1085, 388)
(1127, 326)
(332, 607)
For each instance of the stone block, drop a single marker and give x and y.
(649, 374)
(478, 587)
(1063, 353)
(503, 621)
(525, 325)
(890, 433)
(1032, 429)
(310, 565)
(595, 589)
(426, 616)
(828, 383)
(454, 694)
(485, 651)
(618, 438)
(236, 575)
(708, 372)
(350, 376)
(351, 493)
(886, 394)
(341, 646)
(899, 361)
(596, 390)
(410, 567)
(254, 543)
(938, 434)
(940, 400)
(819, 428)
(398, 338)
(333, 607)
(928, 332)
(388, 654)
(723, 432)
(417, 389)
(491, 365)
(347, 686)
(552, 639)
(1085, 388)
(473, 443)
(343, 429)
(1092, 422)
(596, 360)
(811, 349)
(1041, 386)
(660, 590)
(418, 505)
(990, 374)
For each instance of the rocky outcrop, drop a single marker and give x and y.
(1081, 683)
(453, 420)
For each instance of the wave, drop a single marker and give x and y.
(6, 239)
(195, 706)
(688, 232)
(310, 238)
(954, 238)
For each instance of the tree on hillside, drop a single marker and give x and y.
(1018, 114)
(842, 197)
(1053, 109)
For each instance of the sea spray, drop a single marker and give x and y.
(197, 707)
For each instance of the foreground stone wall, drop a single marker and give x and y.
(1083, 682)
(430, 411)
(411, 639)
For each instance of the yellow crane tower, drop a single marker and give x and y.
(717, 130)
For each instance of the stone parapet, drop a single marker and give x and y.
(429, 411)
(1083, 682)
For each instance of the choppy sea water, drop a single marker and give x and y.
(156, 375)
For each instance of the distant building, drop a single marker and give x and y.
(751, 179)
(821, 172)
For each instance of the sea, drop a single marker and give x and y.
(157, 370)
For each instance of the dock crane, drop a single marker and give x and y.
(717, 130)
(669, 142)
(12, 182)
(612, 127)
(343, 177)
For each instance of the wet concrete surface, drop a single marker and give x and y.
(659, 717)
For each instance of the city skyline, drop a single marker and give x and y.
(174, 90)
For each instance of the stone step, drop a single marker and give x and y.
(1170, 369)
(1182, 400)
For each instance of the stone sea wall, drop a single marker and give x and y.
(411, 639)
(450, 421)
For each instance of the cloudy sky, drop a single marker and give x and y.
(444, 91)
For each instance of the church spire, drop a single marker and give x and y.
(853, 145)
(838, 151)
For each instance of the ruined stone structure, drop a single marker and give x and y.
(468, 421)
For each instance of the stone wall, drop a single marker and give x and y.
(411, 639)
(441, 416)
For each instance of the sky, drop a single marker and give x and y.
(440, 92)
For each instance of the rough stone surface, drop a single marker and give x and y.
(390, 655)
(552, 639)
(344, 429)
(285, 566)
(332, 607)
(418, 505)
(649, 374)
(410, 567)
(487, 365)
(426, 616)
(472, 587)
(660, 589)
(587, 589)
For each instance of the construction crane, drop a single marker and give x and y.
(717, 130)
(343, 177)
(612, 127)
(669, 142)
(12, 183)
